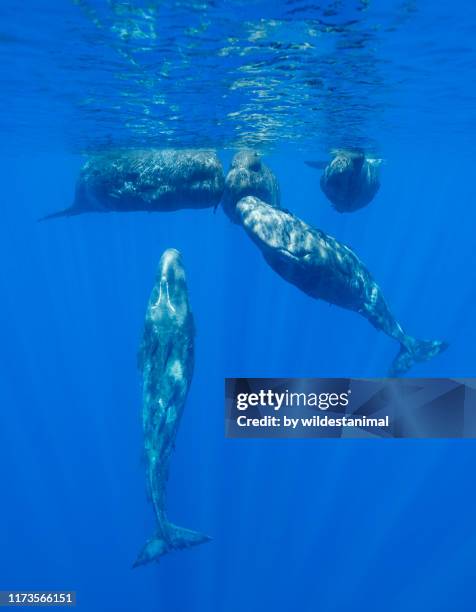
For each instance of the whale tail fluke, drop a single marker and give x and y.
(67, 212)
(415, 351)
(174, 538)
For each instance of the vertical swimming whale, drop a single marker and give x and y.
(166, 359)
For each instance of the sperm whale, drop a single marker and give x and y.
(166, 359)
(152, 180)
(248, 176)
(350, 180)
(326, 269)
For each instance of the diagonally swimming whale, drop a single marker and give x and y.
(350, 180)
(326, 269)
(166, 358)
(153, 181)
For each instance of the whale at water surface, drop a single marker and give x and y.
(249, 176)
(149, 180)
(350, 180)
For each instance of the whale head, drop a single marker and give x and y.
(248, 176)
(267, 225)
(247, 159)
(350, 181)
(167, 341)
(169, 299)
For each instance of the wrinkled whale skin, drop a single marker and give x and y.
(351, 180)
(326, 269)
(149, 180)
(249, 176)
(166, 359)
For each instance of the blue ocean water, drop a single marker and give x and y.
(325, 525)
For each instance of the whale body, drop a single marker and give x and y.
(149, 180)
(166, 359)
(248, 176)
(326, 269)
(351, 180)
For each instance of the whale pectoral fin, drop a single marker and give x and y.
(318, 165)
(373, 161)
